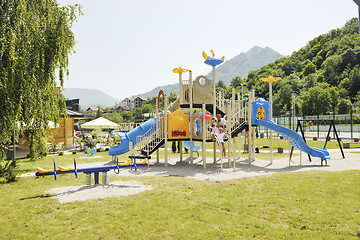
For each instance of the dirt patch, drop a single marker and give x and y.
(83, 193)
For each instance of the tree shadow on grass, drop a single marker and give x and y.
(46, 195)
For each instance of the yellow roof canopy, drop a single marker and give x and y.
(180, 70)
(270, 79)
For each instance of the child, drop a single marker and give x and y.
(214, 128)
(220, 139)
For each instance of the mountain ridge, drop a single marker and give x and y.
(90, 97)
(240, 65)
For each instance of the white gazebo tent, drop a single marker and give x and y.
(100, 123)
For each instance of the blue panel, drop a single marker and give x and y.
(196, 147)
(260, 102)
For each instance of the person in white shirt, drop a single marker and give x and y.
(221, 122)
(220, 139)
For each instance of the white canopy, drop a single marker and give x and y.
(101, 123)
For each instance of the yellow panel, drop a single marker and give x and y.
(178, 125)
(260, 113)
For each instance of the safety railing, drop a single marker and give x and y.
(148, 141)
(237, 117)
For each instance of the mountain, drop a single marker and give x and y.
(324, 74)
(243, 63)
(239, 65)
(154, 92)
(90, 97)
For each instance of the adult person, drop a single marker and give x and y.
(221, 122)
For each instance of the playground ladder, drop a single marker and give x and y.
(150, 141)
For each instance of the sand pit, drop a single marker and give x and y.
(83, 193)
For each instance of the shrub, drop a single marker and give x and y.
(7, 171)
(107, 149)
(73, 152)
(98, 150)
(61, 153)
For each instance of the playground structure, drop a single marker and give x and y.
(173, 124)
(199, 98)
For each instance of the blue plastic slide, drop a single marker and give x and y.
(295, 139)
(123, 147)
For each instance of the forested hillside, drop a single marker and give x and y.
(325, 74)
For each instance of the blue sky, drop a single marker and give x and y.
(127, 47)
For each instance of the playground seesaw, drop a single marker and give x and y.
(132, 163)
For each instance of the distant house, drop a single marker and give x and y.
(129, 102)
(139, 101)
(122, 108)
(92, 111)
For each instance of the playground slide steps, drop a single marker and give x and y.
(155, 144)
(241, 126)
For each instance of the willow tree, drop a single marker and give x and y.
(35, 43)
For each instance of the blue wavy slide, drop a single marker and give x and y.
(140, 130)
(295, 139)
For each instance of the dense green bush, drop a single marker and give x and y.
(7, 171)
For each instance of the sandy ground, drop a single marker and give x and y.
(82, 193)
(196, 171)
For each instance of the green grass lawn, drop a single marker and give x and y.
(304, 205)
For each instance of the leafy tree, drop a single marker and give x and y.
(127, 115)
(344, 106)
(315, 101)
(172, 97)
(36, 41)
(114, 116)
(148, 108)
(137, 113)
(99, 112)
(220, 85)
(325, 70)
